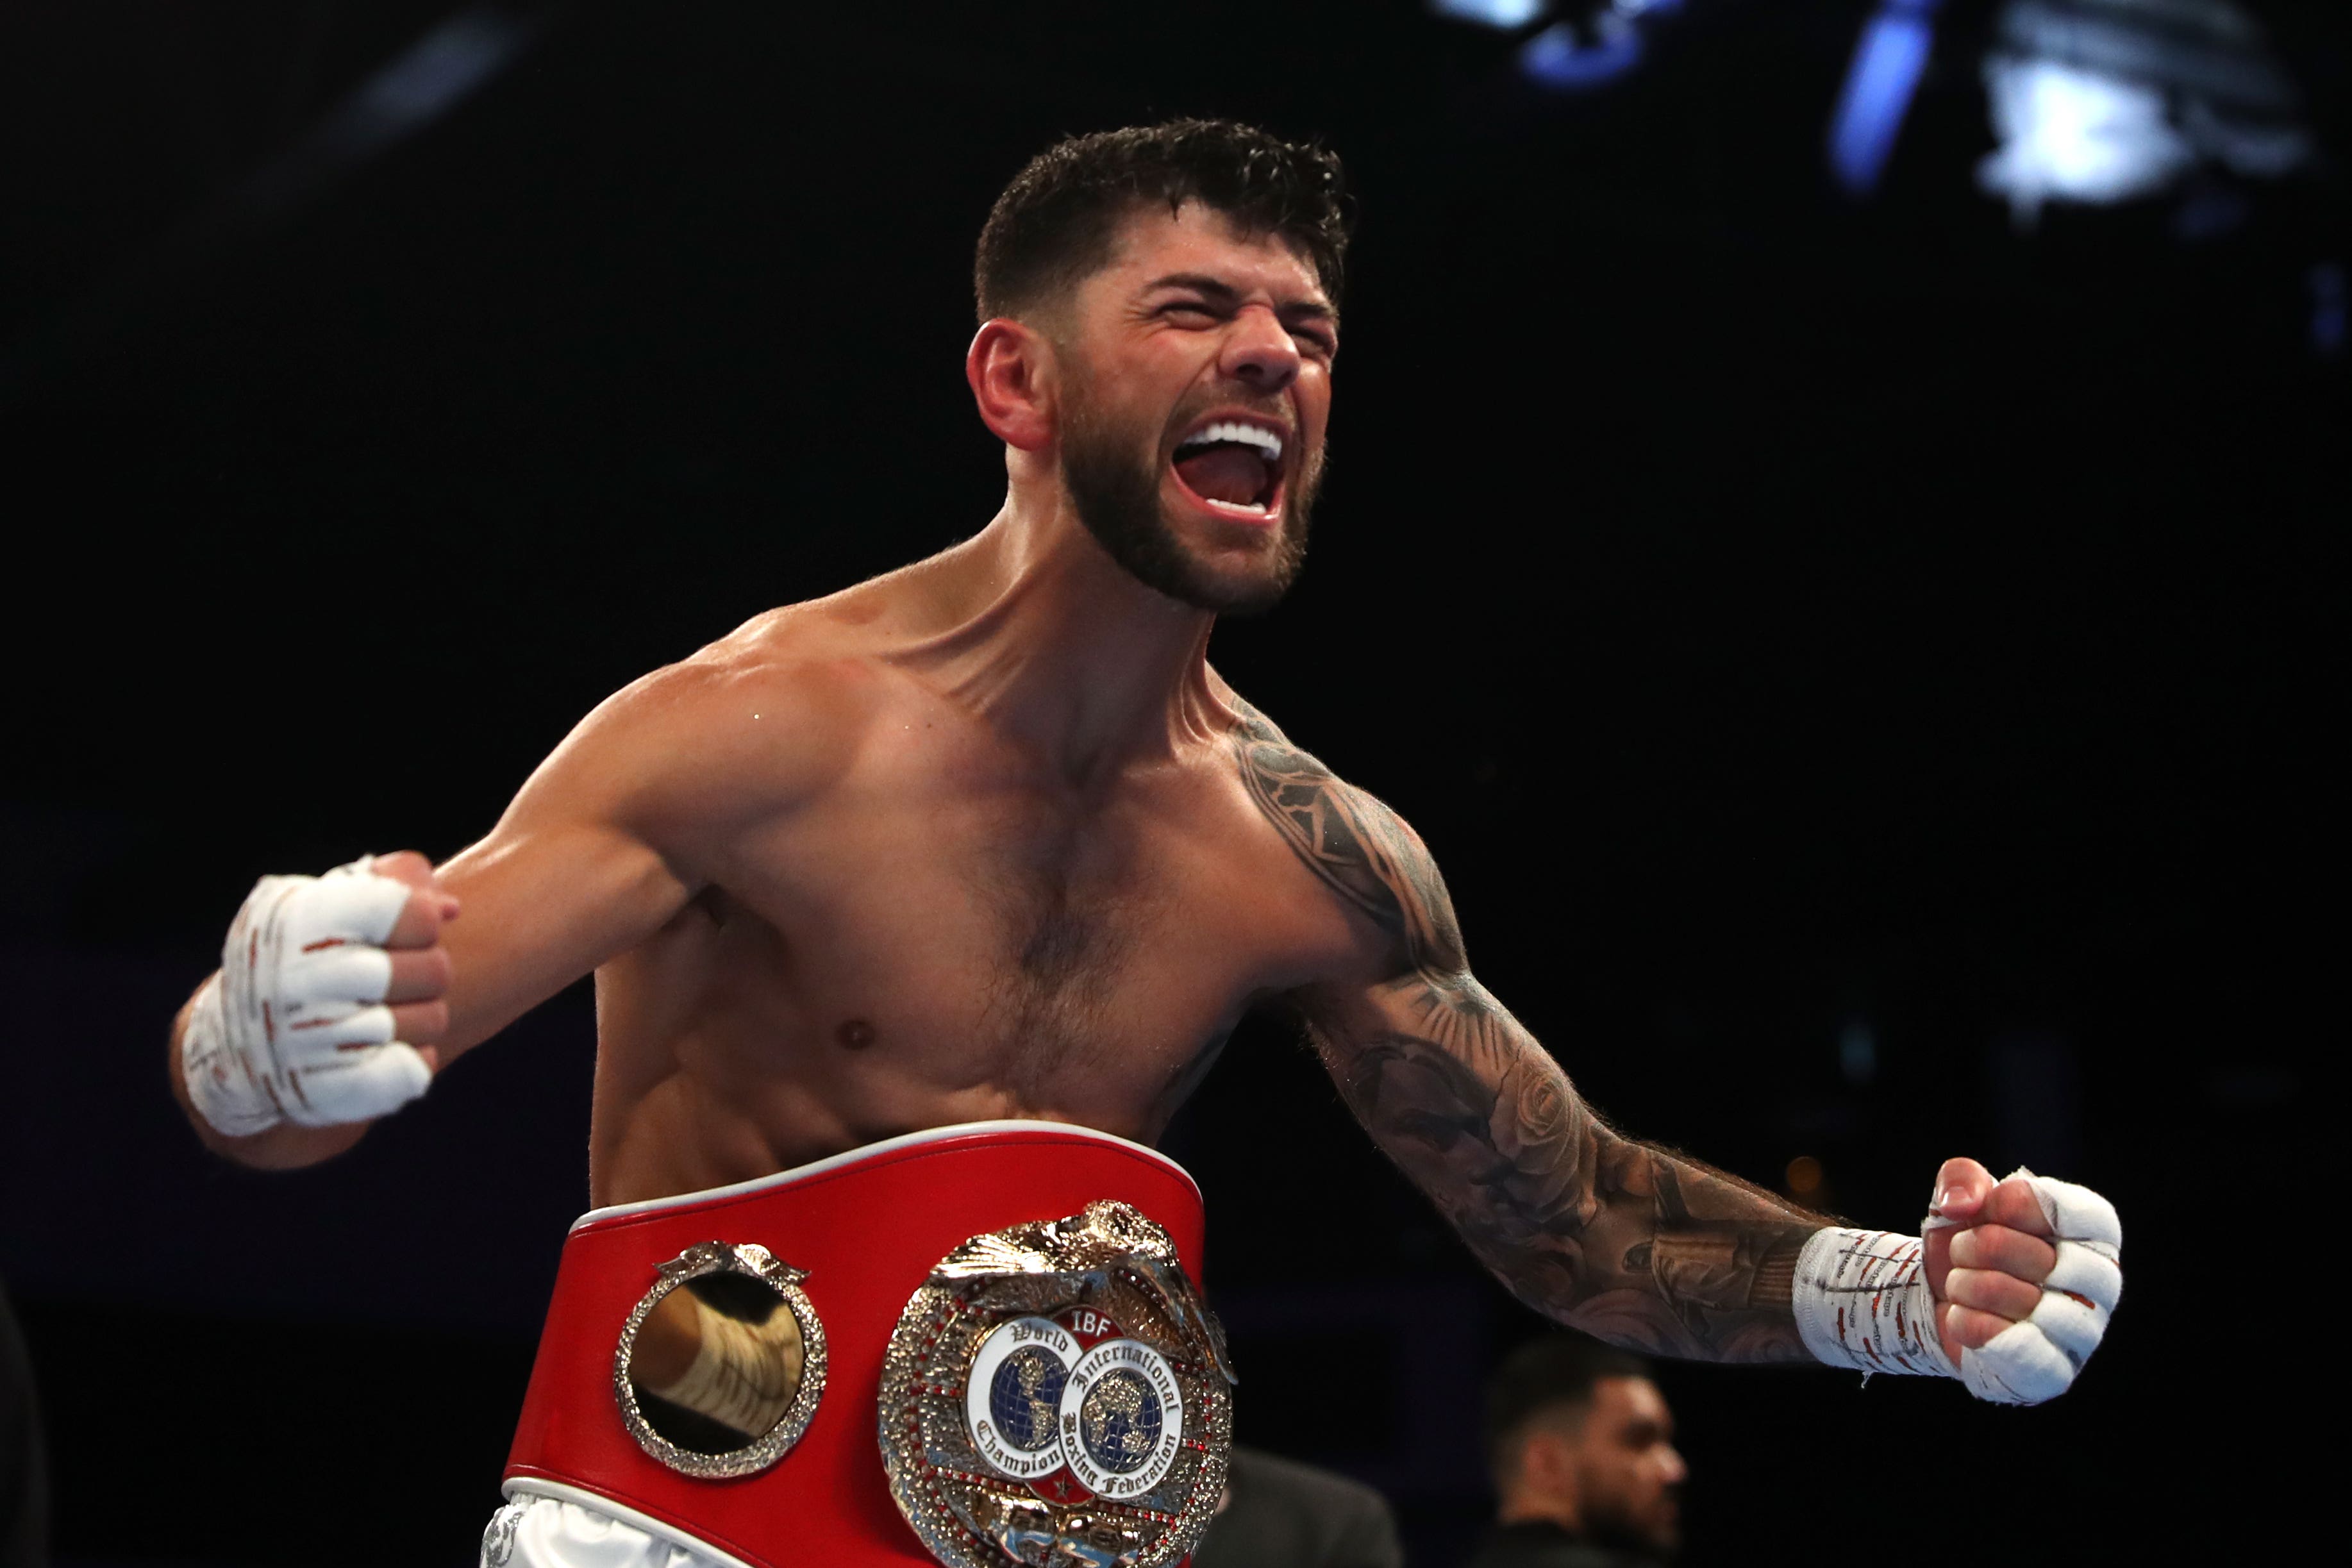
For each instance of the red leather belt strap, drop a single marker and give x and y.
(868, 1227)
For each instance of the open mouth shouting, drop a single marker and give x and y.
(1229, 465)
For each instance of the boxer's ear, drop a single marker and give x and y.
(1547, 1469)
(1010, 370)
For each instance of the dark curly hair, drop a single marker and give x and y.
(1054, 224)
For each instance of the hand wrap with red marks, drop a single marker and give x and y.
(294, 1027)
(1863, 1302)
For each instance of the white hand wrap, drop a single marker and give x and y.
(1862, 1302)
(744, 1374)
(294, 1027)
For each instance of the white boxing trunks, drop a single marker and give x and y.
(541, 1532)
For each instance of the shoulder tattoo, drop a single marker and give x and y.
(1360, 848)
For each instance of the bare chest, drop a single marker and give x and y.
(963, 931)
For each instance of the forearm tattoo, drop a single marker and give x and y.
(1638, 1245)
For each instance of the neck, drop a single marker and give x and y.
(1525, 1509)
(1057, 646)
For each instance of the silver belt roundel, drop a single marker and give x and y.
(1058, 1393)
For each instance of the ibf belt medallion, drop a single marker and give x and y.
(1057, 1395)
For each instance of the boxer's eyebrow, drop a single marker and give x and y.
(1200, 282)
(1307, 307)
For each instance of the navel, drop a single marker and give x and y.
(854, 1034)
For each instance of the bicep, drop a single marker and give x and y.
(590, 859)
(543, 900)
(1445, 1080)
(1425, 1057)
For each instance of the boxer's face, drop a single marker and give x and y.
(1196, 387)
(1629, 1476)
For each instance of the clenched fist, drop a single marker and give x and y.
(2008, 1290)
(2024, 1273)
(328, 1000)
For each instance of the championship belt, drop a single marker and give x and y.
(1007, 1304)
(1057, 1394)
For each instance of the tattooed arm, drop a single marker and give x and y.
(1632, 1243)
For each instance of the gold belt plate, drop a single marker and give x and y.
(1057, 1394)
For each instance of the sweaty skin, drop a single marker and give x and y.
(987, 837)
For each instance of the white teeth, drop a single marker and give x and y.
(1256, 436)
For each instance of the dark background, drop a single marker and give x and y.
(1856, 662)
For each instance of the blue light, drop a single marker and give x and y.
(439, 70)
(2117, 102)
(1888, 62)
(2327, 308)
(1505, 15)
(423, 82)
(1556, 59)
(2075, 135)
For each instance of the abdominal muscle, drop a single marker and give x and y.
(681, 1138)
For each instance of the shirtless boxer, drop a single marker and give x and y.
(988, 837)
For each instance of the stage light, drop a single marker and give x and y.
(448, 64)
(2070, 134)
(1570, 57)
(444, 65)
(1507, 14)
(1879, 85)
(423, 82)
(2112, 100)
(1562, 58)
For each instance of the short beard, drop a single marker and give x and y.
(1617, 1531)
(1119, 500)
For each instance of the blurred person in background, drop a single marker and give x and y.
(1279, 1513)
(1582, 1446)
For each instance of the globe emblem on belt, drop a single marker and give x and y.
(1074, 1408)
(1013, 1396)
(1025, 1397)
(1122, 1418)
(1119, 1422)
